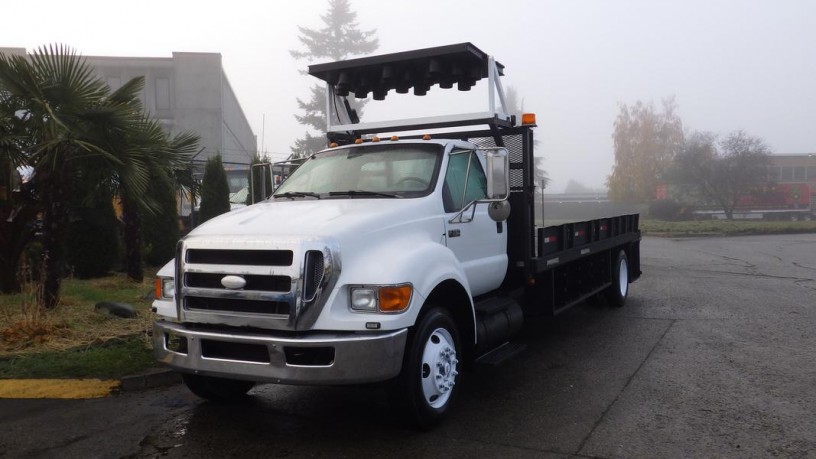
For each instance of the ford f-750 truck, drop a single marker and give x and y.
(386, 259)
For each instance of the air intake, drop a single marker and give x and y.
(312, 274)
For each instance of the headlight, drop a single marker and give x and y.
(165, 287)
(385, 298)
(364, 299)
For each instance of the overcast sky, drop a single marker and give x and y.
(731, 65)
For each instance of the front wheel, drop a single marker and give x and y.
(426, 386)
(617, 292)
(216, 389)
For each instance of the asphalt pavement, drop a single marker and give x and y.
(713, 356)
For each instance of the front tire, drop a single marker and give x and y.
(427, 384)
(617, 293)
(217, 389)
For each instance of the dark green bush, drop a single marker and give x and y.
(214, 190)
(92, 239)
(669, 210)
(160, 231)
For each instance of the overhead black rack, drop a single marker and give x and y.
(462, 64)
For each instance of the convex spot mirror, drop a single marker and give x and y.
(499, 211)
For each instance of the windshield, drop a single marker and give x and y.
(381, 171)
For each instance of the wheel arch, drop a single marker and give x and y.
(632, 251)
(454, 298)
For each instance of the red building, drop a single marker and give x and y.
(795, 168)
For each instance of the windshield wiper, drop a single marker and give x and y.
(297, 194)
(363, 193)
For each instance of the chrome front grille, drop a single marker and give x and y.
(282, 288)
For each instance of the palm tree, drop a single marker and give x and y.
(164, 159)
(66, 121)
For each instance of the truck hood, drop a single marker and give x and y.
(310, 218)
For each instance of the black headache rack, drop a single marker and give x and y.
(461, 64)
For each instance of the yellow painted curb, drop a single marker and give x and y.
(56, 388)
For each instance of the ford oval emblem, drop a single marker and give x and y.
(233, 282)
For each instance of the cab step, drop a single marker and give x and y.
(501, 354)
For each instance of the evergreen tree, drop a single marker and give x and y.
(339, 39)
(160, 230)
(92, 235)
(214, 190)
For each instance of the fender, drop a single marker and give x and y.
(423, 263)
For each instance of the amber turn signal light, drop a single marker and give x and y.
(395, 299)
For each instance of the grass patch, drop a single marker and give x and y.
(114, 359)
(74, 339)
(723, 227)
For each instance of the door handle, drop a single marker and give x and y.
(454, 233)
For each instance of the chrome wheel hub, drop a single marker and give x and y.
(438, 371)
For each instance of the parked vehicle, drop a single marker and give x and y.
(399, 260)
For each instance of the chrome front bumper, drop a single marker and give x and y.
(319, 358)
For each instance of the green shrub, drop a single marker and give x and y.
(669, 210)
(92, 239)
(160, 231)
(214, 190)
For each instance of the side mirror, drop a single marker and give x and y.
(498, 174)
(260, 184)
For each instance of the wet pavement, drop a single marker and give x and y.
(713, 356)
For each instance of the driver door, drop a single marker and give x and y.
(477, 241)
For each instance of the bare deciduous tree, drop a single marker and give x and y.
(722, 172)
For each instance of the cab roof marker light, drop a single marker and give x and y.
(394, 138)
(528, 119)
(358, 141)
(426, 137)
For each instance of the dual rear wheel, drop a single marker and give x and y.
(617, 292)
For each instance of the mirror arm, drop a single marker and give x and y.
(458, 218)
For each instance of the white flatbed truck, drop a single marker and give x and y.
(397, 260)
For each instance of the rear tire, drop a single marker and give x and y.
(426, 387)
(217, 389)
(617, 293)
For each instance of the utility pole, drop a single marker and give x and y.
(263, 132)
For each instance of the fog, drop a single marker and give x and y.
(730, 64)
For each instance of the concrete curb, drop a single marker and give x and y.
(157, 377)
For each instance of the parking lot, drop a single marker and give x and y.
(713, 356)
